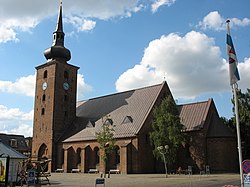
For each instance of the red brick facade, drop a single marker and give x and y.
(54, 108)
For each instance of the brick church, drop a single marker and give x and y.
(64, 129)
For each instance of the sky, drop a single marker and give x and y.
(123, 45)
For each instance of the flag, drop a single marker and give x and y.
(233, 62)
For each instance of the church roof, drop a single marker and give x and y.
(193, 115)
(128, 111)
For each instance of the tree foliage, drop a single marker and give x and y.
(105, 137)
(244, 119)
(166, 129)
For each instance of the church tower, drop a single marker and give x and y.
(55, 100)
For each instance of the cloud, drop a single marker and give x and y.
(192, 65)
(81, 24)
(7, 34)
(82, 87)
(22, 16)
(23, 85)
(13, 120)
(215, 21)
(158, 3)
(26, 86)
(244, 69)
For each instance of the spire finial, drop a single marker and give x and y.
(59, 25)
(58, 50)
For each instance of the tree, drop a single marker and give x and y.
(244, 119)
(105, 137)
(229, 123)
(166, 130)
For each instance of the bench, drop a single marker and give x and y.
(44, 176)
(59, 170)
(93, 170)
(75, 170)
(116, 171)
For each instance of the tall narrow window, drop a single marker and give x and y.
(45, 74)
(65, 98)
(66, 75)
(43, 111)
(44, 97)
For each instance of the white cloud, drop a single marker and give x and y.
(21, 16)
(192, 64)
(81, 24)
(22, 129)
(23, 85)
(82, 87)
(216, 22)
(158, 3)
(7, 34)
(244, 69)
(13, 120)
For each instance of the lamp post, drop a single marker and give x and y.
(163, 150)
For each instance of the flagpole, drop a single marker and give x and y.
(238, 132)
(233, 82)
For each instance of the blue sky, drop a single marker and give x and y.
(122, 45)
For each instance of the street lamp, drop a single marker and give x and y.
(163, 150)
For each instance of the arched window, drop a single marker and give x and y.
(65, 97)
(65, 113)
(45, 74)
(66, 75)
(44, 97)
(43, 111)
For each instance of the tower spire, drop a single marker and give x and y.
(57, 50)
(59, 26)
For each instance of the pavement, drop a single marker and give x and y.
(141, 180)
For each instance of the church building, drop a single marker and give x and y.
(64, 130)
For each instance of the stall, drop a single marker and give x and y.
(10, 160)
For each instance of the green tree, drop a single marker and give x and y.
(229, 123)
(105, 137)
(244, 119)
(166, 130)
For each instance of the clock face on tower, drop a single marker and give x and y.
(65, 86)
(44, 86)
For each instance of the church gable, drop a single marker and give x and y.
(217, 128)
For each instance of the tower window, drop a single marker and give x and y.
(44, 97)
(45, 74)
(43, 111)
(65, 113)
(66, 98)
(66, 75)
